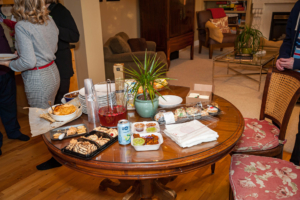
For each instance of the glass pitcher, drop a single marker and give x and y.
(114, 108)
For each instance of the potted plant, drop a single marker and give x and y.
(248, 42)
(148, 73)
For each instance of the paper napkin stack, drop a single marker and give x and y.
(190, 133)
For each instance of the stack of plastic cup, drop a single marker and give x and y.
(91, 102)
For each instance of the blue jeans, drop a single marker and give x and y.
(8, 106)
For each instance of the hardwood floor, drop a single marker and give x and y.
(19, 178)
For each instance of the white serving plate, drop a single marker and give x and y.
(6, 57)
(62, 118)
(101, 90)
(148, 147)
(145, 127)
(169, 101)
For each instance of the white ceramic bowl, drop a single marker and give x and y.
(148, 147)
(61, 118)
(169, 101)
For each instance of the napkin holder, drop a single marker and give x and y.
(202, 90)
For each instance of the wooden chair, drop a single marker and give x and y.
(203, 34)
(282, 90)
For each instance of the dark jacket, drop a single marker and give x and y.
(4, 48)
(68, 33)
(288, 46)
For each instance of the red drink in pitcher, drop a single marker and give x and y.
(109, 117)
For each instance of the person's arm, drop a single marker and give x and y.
(68, 31)
(27, 58)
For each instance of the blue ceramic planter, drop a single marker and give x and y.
(145, 108)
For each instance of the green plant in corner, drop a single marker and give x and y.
(248, 41)
(148, 73)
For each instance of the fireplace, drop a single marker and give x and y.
(278, 25)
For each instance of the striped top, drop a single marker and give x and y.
(297, 48)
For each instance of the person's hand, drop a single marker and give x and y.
(5, 63)
(286, 62)
(16, 53)
(278, 66)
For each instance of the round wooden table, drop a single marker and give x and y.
(148, 172)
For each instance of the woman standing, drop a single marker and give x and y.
(68, 33)
(36, 42)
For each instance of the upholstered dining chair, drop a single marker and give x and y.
(263, 178)
(203, 34)
(264, 138)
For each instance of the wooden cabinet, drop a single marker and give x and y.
(6, 2)
(169, 23)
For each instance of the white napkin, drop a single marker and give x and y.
(190, 133)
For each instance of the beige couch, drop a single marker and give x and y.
(111, 58)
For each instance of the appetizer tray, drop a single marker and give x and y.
(147, 147)
(64, 129)
(187, 112)
(99, 149)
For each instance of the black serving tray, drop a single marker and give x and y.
(99, 149)
(65, 129)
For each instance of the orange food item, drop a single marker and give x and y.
(65, 109)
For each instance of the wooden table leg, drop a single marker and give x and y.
(134, 193)
(165, 181)
(117, 187)
(142, 189)
(163, 192)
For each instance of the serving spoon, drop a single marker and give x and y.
(49, 102)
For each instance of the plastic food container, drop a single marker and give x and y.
(138, 129)
(148, 147)
(185, 113)
(99, 148)
(65, 129)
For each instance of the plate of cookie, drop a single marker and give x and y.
(68, 132)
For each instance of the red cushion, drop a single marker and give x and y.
(258, 135)
(263, 178)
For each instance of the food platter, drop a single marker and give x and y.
(186, 112)
(65, 129)
(99, 149)
(147, 147)
(6, 57)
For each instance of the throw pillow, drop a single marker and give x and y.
(118, 45)
(137, 44)
(214, 32)
(221, 23)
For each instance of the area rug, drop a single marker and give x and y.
(240, 91)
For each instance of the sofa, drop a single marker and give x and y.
(117, 50)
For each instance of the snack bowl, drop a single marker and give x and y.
(62, 118)
(169, 101)
(139, 127)
(148, 147)
(71, 98)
